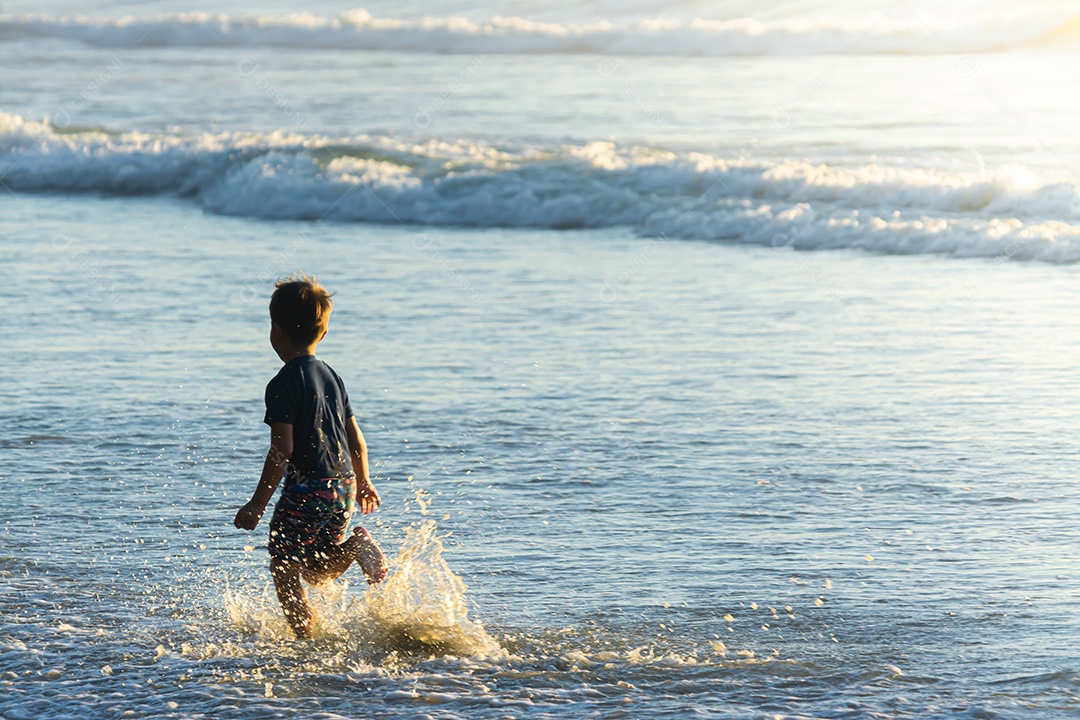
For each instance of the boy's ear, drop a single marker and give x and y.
(323, 335)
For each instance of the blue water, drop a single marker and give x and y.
(676, 409)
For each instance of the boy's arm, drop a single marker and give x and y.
(367, 497)
(281, 448)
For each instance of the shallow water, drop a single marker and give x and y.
(872, 479)
(728, 382)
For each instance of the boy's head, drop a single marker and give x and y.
(300, 306)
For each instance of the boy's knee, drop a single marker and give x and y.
(284, 568)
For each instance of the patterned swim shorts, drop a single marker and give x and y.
(310, 516)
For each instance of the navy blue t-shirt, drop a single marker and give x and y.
(309, 395)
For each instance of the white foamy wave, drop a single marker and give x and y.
(898, 31)
(880, 208)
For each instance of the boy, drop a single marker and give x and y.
(316, 443)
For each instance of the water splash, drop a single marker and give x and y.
(422, 605)
(256, 613)
(420, 609)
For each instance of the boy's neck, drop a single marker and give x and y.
(287, 351)
(291, 353)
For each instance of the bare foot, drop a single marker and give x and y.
(368, 556)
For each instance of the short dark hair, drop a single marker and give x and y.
(301, 307)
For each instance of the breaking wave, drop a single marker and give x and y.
(1009, 211)
(898, 31)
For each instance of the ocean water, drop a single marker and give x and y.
(715, 359)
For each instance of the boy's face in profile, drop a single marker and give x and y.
(279, 341)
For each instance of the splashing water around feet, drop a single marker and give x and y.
(421, 606)
(420, 609)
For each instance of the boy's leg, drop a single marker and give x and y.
(336, 559)
(328, 564)
(292, 597)
(368, 555)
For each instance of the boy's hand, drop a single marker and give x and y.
(248, 516)
(367, 497)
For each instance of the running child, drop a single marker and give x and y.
(317, 446)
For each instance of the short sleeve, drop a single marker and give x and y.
(346, 407)
(280, 405)
(345, 401)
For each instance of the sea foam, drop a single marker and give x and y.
(898, 30)
(1010, 211)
